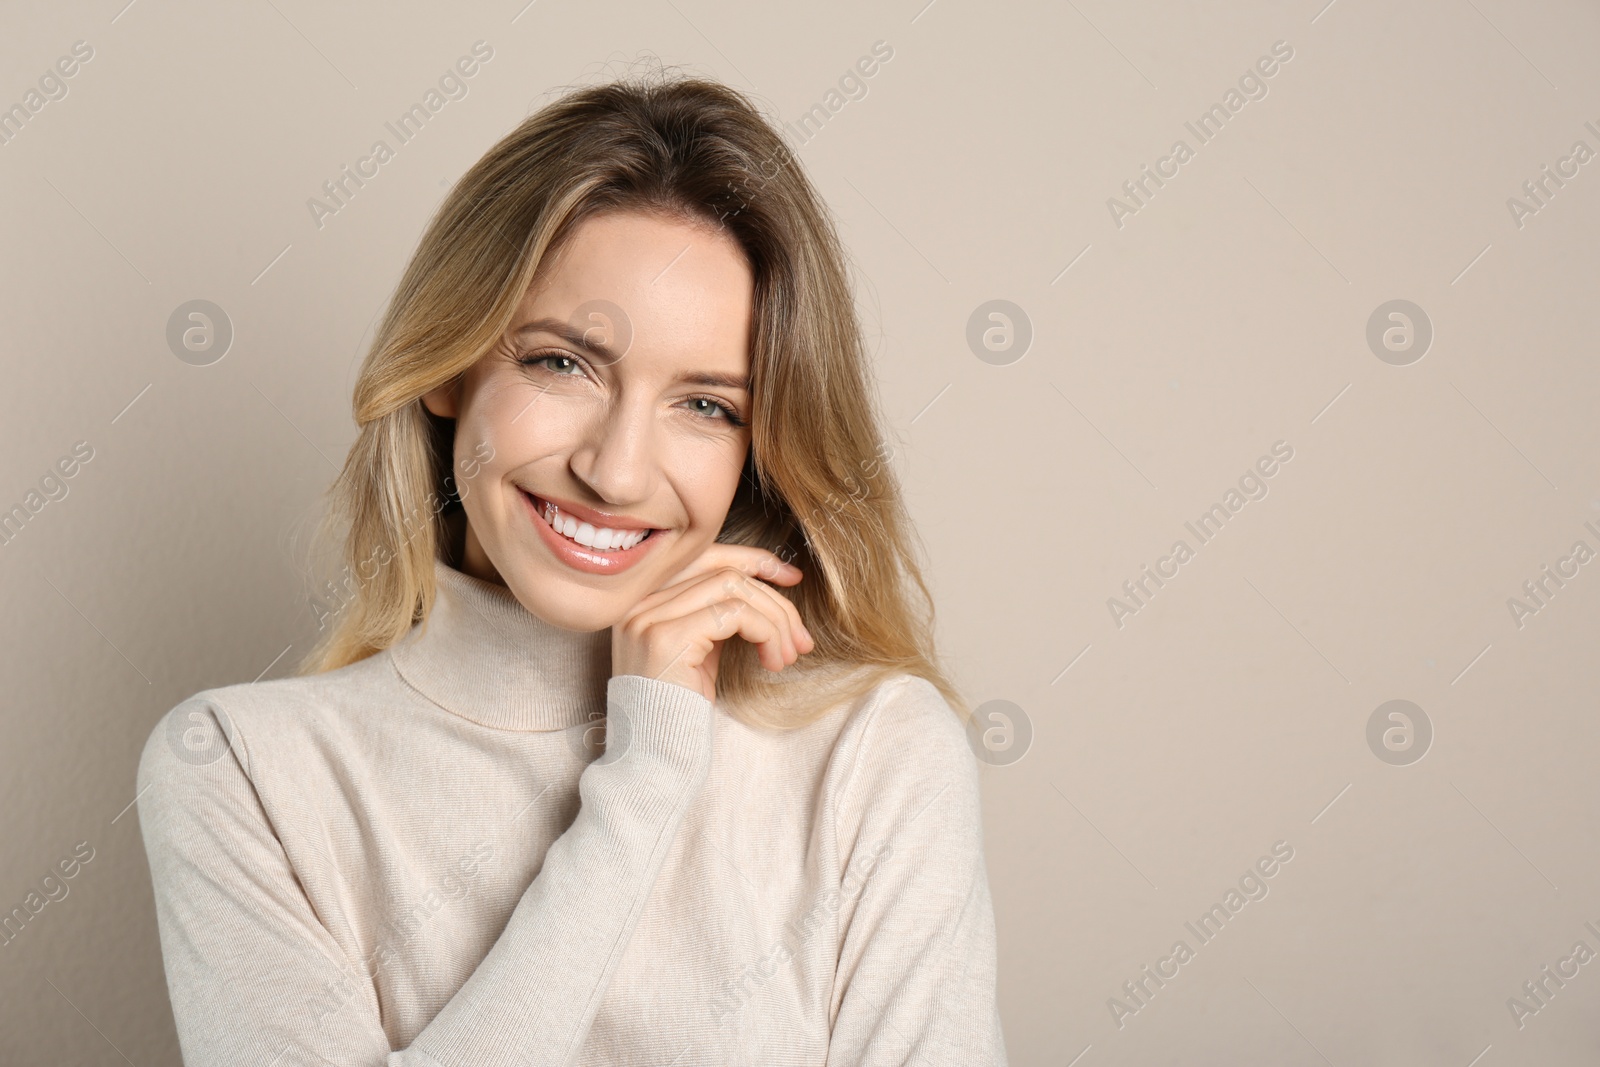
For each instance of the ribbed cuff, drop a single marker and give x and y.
(658, 723)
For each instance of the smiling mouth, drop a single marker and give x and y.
(595, 538)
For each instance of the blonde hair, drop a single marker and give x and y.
(816, 490)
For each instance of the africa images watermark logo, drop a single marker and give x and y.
(1252, 85)
(1252, 485)
(1152, 978)
(339, 190)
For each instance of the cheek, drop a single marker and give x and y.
(521, 422)
(705, 473)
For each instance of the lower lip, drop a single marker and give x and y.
(589, 560)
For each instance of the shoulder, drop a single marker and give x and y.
(905, 709)
(221, 731)
(905, 714)
(903, 740)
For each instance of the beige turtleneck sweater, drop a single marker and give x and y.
(418, 860)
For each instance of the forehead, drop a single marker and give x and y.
(683, 290)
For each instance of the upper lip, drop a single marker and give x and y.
(598, 519)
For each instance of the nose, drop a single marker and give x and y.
(616, 456)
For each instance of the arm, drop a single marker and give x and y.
(916, 980)
(244, 951)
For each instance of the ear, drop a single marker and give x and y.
(444, 401)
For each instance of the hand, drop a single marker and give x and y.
(675, 634)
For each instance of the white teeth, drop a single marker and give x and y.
(603, 539)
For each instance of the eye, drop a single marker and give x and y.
(557, 363)
(703, 405)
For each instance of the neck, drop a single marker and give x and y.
(483, 656)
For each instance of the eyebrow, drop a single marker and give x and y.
(575, 337)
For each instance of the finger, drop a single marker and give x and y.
(746, 561)
(773, 647)
(723, 619)
(724, 594)
(757, 596)
(795, 631)
(798, 635)
(753, 561)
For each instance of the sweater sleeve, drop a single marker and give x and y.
(916, 977)
(244, 949)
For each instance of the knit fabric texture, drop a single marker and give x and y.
(480, 849)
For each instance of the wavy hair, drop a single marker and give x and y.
(817, 488)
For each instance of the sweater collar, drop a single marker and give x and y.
(483, 656)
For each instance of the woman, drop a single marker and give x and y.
(618, 467)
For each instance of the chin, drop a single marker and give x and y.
(561, 602)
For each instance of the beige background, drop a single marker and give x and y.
(1227, 314)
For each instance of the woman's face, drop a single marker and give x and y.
(612, 408)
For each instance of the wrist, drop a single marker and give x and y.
(657, 722)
